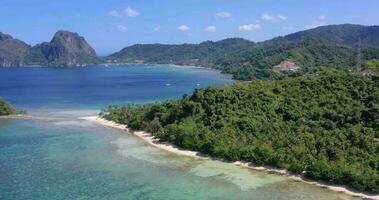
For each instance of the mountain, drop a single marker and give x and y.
(345, 34)
(333, 46)
(65, 49)
(204, 54)
(328, 46)
(12, 51)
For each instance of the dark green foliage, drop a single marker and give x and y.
(208, 53)
(345, 34)
(373, 65)
(308, 54)
(322, 125)
(328, 46)
(7, 109)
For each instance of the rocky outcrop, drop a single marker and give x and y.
(65, 49)
(12, 51)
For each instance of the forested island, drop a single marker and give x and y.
(321, 126)
(7, 109)
(65, 49)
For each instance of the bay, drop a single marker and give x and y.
(61, 156)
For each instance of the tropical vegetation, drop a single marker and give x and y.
(337, 47)
(321, 126)
(7, 109)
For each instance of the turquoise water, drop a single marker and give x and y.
(68, 158)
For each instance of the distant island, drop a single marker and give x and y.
(345, 46)
(7, 109)
(65, 49)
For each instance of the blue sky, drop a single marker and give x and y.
(109, 25)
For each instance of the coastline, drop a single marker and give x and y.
(173, 65)
(25, 116)
(173, 149)
(145, 136)
(107, 64)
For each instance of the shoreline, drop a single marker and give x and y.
(106, 64)
(174, 149)
(27, 117)
(227, 75)
(145, 136)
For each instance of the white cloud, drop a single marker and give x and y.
(314, 24)
(130, 12)
(250, 27)
(268, 17)
(223, 15)
(320, 21)
(210, 29)
(114, 13)
(156, 29)
(183, 28)
(121, 28)
(273, 18)
(282, 17)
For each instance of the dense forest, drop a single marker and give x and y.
(7, 109)
(373, 65)
(345, 34)
(321, 126)
(328, 46)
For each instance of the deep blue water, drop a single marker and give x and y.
(99, 86)
(65, 157)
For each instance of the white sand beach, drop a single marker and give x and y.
(172, 148)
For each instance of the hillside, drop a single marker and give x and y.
(12, 51)
(329, 46)
(65, 49)
(322, 126)
(7, 109)
(204, 53)
(345, 34)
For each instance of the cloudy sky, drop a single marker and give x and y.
(110, 25)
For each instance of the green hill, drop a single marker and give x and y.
(320, 126)
(7, 109)
(344, 34)
(328, 46)
(13, 52)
